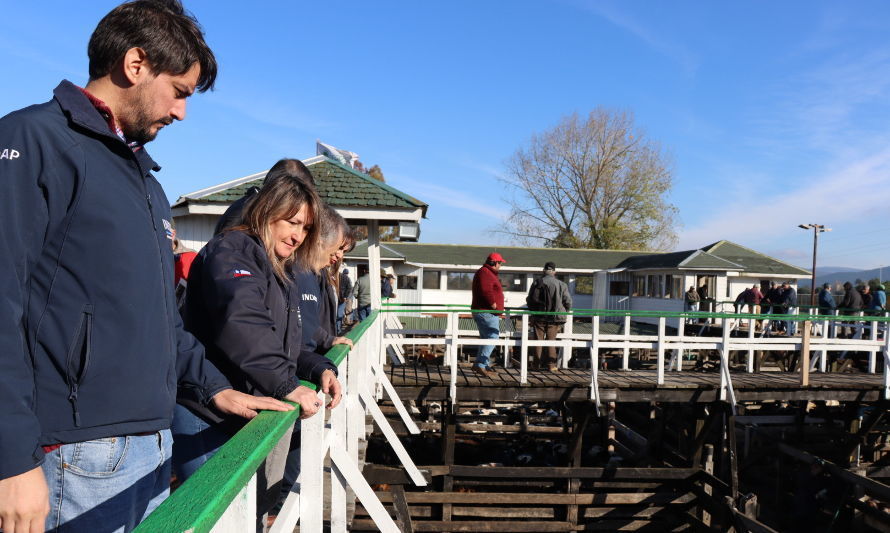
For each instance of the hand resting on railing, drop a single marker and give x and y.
(232, 402)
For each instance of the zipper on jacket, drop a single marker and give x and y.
(171, 339)
(80, 349)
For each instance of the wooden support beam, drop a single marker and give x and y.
(875, 488)
(403, 516)
(872, 420)
(522, 498)
(581, 414)
(714, 416)
(732, 454)
(539, 472)
(448, 432)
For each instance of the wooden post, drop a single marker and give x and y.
(610, 427)
(805, 355)
(580, 418)
(448, 433)
(732, 452)
(709, 468)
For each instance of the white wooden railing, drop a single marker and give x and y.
(870, 335)
(220, 496)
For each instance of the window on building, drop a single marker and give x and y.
(619, 288)
(407, 282)
(655, 289)
(513, 282)
(583, 284)
(639, 288)
(706, 286)
(459, 281)
(432, 279)
(673, 286)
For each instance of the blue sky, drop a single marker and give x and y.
(774, 113)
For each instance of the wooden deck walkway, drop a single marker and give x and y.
(430, 382)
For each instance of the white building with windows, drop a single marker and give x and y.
(597, 279)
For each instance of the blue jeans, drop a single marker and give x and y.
(791, 325)
(108, 484)
(194, 442)
(341, 312)
(362, 312)
(489, 328)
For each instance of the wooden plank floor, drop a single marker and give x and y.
(430, 382)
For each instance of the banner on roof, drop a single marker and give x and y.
(343, 156)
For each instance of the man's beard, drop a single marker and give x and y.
(138, 128)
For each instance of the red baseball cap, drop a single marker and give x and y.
(494, 256)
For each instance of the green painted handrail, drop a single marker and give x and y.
(420, 308)
(203, 498)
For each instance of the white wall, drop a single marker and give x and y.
(193, 231)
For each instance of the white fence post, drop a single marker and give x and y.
(595, 361)
(567, 341)
(625, 361)
(660, 357)
(523, 350)
(312, 454)
(240, 515)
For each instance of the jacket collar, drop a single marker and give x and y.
(82, 112)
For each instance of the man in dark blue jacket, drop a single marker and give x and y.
(93, 346)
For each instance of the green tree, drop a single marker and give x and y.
(592, 182)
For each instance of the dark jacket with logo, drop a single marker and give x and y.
(249, 321)
(92, 342)
(313, 308)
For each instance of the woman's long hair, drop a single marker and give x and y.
(333, 231)
(286, 189)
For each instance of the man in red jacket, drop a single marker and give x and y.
(488, 294)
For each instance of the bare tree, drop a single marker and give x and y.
(594, 182)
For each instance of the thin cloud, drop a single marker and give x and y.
(826, 199)
(673, 51)
(280, 115)
(20, 50)
(435, 195)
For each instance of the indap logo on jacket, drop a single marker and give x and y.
(9, 153)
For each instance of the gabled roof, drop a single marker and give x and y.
(754, 262)
(687, 259)
(338, 185)
(386, 251)
(727, 257)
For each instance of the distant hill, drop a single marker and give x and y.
(839, 277)
(833, 269)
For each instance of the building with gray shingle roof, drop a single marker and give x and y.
(610, 279)
(355, 195)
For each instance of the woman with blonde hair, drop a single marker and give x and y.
(242, 305)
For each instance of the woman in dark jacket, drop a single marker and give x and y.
(241, 304)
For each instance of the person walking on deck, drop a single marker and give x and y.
(789, 304)
(488, 295)
(550, 295)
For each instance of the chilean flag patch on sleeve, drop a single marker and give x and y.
(237, 273)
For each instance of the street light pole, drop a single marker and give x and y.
(817, 229)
